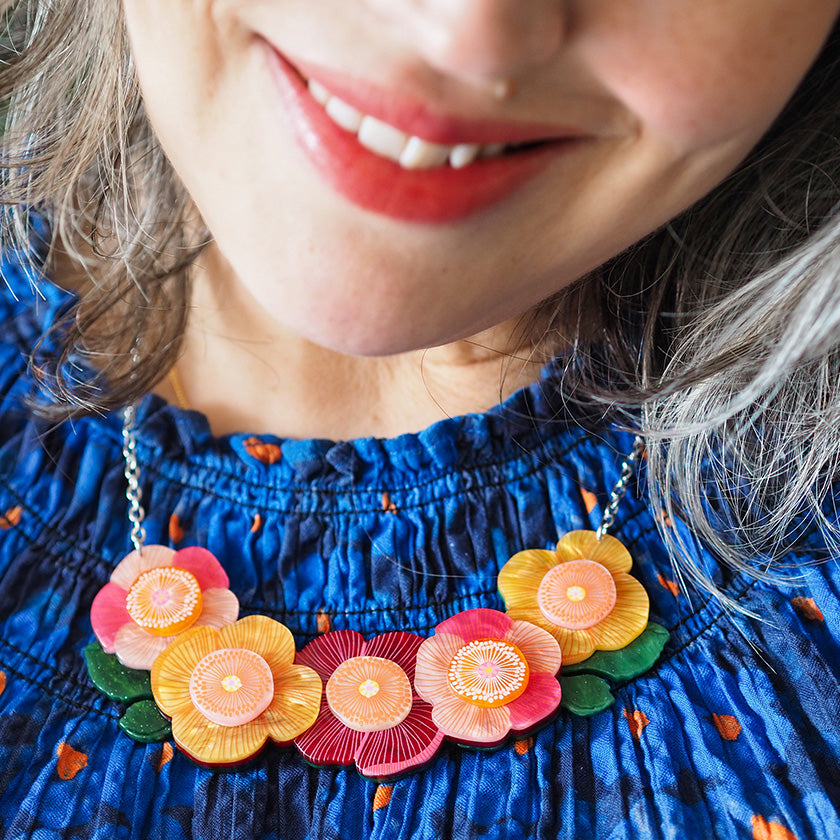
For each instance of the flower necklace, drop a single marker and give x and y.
(171, 651)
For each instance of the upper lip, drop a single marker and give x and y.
(415, 118)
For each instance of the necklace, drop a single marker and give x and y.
(171, 650)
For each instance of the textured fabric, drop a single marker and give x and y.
(733, 734)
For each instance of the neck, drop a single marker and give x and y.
(248, 373)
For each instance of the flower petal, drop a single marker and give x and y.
(297, 699)
(520, 578)
(628, 618)
(203, 566)
(137, 648)
(135, 563)
(398, 647)
(468, 722)
(218, 608)
(585, 545)
(410, 744)
(173, 668)
(538, 646)
(537, 702)
(108, 614)
(328, 742)
(210, 743)
(269, 638)
(325, 653)
(575, 645)
(479, 623)
(433, 659)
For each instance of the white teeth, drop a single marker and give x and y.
(345, 115)
(382, 138)
(319, 93)
(389, 142)
(420, 154)
(463, 155)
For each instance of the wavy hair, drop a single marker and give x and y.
(718, 336)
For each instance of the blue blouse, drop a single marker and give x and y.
(735, 732)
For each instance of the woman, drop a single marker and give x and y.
(375, 225)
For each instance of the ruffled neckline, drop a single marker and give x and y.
(522, 422)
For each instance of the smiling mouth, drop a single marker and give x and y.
(402, 159)
(409, 151)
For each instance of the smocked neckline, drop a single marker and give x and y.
(518, 425)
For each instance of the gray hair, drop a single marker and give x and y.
(717, 337)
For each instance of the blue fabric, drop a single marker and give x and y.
(734, 734)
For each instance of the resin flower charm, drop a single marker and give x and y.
(487, 675)
(581, 593)
(155, 595)
(229, 691)
(369, 714)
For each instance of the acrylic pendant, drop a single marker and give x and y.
(204, 664)
(369, 714)
(141, 719)
(156, 594)
(581, 593)
(504, 676)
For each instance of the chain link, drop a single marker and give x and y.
(620, 489)
(133, 492)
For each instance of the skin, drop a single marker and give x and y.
(316, 318)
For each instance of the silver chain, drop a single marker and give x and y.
(133, 492)
(618, 492)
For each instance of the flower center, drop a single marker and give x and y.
(165, 601)
(488, 672)
(369, 688)
(577, 594)
(231, 686)
(369, 694)
(231, 683)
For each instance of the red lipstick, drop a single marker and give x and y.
(437, 195)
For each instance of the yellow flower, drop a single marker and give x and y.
(581, 593)
(228, 691)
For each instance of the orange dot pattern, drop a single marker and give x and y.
(577, 594)
(165, 601)
(382, 797)
(369, 694)
(166, 754)
(176, 532)
(763, 829)
(231, 686)
(637, 721)
(728, 727)
(266, 453)
(488, 672)
(807, 608)
(70, 761)
(10, 518)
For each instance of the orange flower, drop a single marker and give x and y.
(580, 592)
(228, 691)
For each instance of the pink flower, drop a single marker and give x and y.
(370, 715)
(487, 675)
(154, 596)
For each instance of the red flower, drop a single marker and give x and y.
(370, 714)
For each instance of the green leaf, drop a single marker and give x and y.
(585, 695)
(113, 679)
(629, 662)
(143, 722)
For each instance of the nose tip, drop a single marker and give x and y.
(484, 41)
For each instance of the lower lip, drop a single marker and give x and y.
(377, 184)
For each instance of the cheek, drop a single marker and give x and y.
(696, 74)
